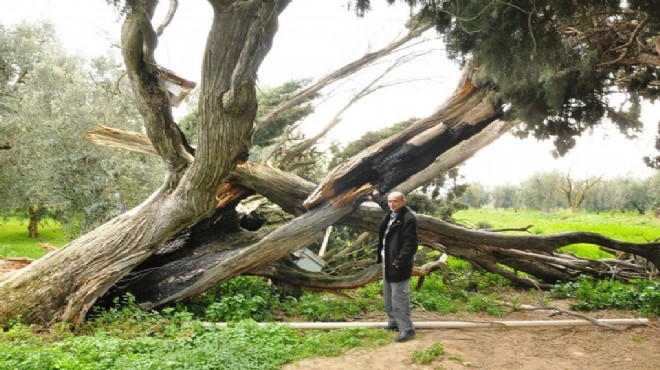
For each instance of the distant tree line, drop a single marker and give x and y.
(546, 191)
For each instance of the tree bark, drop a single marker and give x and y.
(63, 285)
(346, 184)
(168, 274)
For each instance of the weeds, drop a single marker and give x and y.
(429, 355)
(592, 294)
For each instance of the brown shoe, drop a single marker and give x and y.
(405, 336)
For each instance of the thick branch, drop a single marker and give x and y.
(139, 41)
(387, 163)
(319, 280)
(129, 140)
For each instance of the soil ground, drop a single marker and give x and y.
(556, 348)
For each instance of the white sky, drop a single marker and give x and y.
(316, 37)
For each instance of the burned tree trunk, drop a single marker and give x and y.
(464, 125)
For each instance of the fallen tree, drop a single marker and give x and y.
(187, 237)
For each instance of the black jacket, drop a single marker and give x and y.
(401, 244)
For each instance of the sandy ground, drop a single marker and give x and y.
(556, 348)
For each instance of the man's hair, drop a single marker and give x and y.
(398, 194)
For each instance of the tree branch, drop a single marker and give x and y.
(174, 4)
(139, 41)
(341, 73)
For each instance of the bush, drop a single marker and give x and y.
(241, 298)
(592, 294)
(328, 307)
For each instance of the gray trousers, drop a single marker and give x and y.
(396, 297)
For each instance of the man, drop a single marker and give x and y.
(397, 245)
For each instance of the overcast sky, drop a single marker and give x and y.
(314, 38)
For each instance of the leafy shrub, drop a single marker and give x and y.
(244, 345)
(592, 294)
(434, 296)
(327, 307)
(480, 303)
(241, 298)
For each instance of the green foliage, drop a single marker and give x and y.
(434, 296)
(484, 303)
(333, 343)
(429, 355)
(107, 344)
(51, 167)
(555, 82)
(558, 89)
(271, 98)
(592, 294)
(241, 298)
(327, 307)
(127, 337)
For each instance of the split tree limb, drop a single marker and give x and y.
(342, 72)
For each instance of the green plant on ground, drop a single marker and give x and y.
(166, 341)
(329, 307)
(592, 294)
(484, 303)
(434, 296)
(241, 298)
(460, 359)
(429, 355)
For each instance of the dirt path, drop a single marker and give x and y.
(580, 347)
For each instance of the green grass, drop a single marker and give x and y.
(630, 227)
(14, 241)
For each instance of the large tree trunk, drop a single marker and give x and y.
(63, 285)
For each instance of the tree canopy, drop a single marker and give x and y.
(559, 67)
(53, 100)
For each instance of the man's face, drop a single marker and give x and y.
(395, 201)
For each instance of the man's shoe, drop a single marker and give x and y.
(389, 327)
(405, 336)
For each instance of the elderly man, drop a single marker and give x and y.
(397, 245)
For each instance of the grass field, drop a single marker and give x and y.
(630, 227)
(14, 241)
